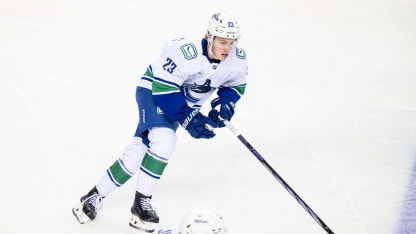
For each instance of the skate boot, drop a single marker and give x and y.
(143, 217)
(88, 207)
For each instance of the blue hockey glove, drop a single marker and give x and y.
(198, 125)
(225, 111)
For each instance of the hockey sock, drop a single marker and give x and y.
(150, 172)
(122, 169)
(118, 173)
(115, 176)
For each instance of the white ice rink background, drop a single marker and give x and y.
(330, 103)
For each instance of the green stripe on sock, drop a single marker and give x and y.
(118, 173)
(153, 164)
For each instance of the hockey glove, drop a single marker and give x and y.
(198, 125)
(225, 111)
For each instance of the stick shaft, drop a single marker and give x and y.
(278, 177)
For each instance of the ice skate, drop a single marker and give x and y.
(88, 207)
(143, 217)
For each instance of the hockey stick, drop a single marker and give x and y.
(278, 177)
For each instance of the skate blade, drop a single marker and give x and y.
(138, 224)
(79, 214)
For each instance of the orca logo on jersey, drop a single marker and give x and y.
(204, 88)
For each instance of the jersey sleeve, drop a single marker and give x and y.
(168, 77)
(232, 94)
(235, 88)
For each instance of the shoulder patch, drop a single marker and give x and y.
(189, 51)
(240, 53)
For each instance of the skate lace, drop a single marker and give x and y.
(145, 203)
(95, 200)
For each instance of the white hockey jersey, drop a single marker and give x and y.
(183, 67)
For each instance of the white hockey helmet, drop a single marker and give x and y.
(223, 25)
(202, 221)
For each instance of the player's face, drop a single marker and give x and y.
(221, 47)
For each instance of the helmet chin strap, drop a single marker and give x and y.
(210, 51)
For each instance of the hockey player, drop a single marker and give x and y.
(170, 94)
(202, 221)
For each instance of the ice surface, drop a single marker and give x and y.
(330, 104)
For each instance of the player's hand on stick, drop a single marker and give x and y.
(198, 125)
(221, 109)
